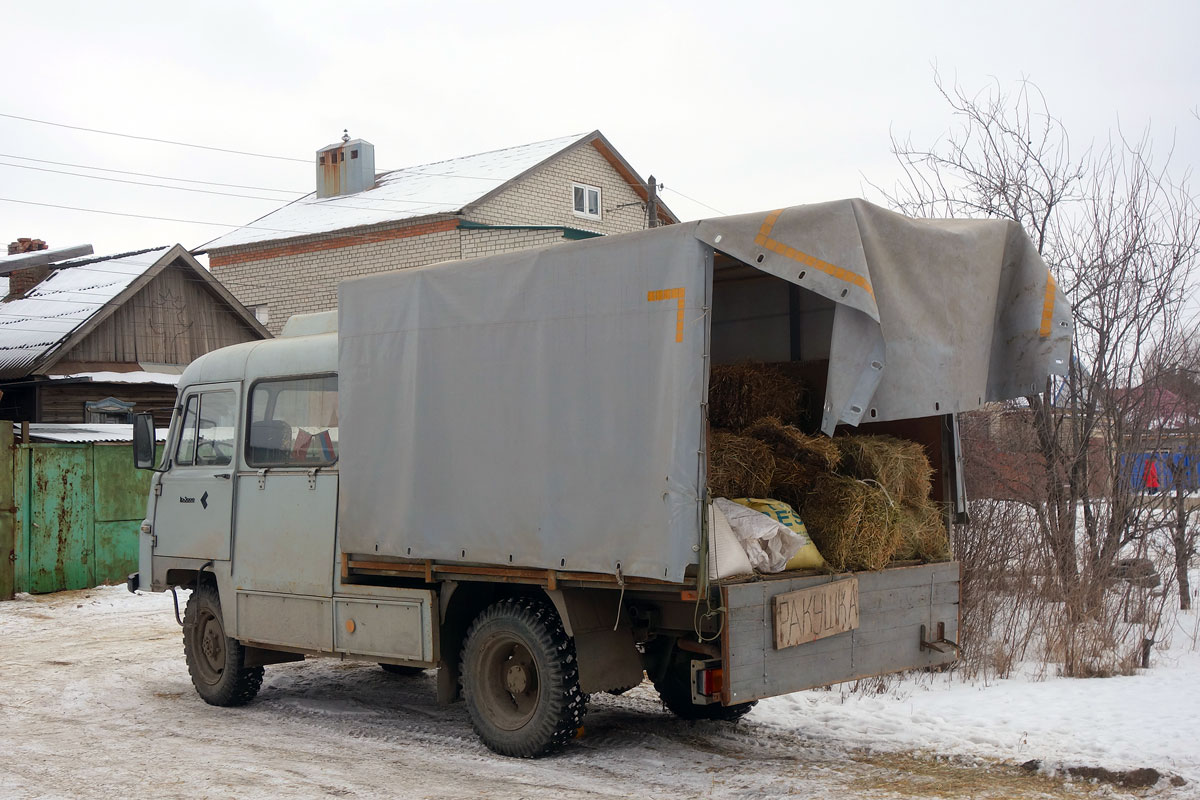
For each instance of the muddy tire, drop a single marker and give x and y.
(214, 660)
(520, 679)
(676, 695)
(401, 669)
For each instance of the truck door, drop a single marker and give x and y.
(194, 511)
(286, 511)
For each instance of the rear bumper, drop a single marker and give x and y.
(895, 608)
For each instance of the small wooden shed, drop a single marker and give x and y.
(100, 338)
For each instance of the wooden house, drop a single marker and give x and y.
(96, 339)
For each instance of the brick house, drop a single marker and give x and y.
(95, 339)
(357, 222)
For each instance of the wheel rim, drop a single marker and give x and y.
(510, 685)
(210, 647)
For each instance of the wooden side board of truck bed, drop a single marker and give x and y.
(895, 609)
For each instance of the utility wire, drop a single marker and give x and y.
(244, 152)
(141, 183)
(299, 200)
(148, 175)
(417, 169)
(694, 200)
(152, 139)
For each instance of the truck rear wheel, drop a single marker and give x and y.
(520, 679)
(214, 660)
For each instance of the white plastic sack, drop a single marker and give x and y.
(768, 542)
(726, 557)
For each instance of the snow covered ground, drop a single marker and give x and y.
(1151, 719)
(95, 701)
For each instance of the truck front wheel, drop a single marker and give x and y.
(214, 660)
(520, 679)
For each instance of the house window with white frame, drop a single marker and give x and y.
(587, 200)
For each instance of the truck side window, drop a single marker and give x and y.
(214, 444)
(293, 422)
(206, 434)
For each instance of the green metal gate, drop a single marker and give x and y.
(8, 514)
(78, 507)
(56, 517)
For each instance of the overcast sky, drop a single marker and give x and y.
(743, 106)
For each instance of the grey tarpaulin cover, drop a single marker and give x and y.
(932, 316)
(546, 408)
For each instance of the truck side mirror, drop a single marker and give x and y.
(143, 441)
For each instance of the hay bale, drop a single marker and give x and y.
(901, 467)
(738, 466)
(792, 481)
(923, 532)
(739, 394)
(801, 460)
(789, 443)
(852, 523)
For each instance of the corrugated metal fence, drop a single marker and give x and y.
(71, 517)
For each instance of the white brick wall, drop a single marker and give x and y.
(477, 242)
(544, 198)
(306, 282)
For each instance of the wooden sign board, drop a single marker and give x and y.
(814, 613)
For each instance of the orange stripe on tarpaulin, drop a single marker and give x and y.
(1048, 306)
(677, 294)
(763, 239)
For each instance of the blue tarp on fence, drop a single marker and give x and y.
(1174, 470)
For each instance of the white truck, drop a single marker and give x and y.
(498, 467)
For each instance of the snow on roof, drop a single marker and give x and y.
(443, 187)
(171, 379)
(90, 432)
(33, 325)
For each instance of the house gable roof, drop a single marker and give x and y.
(1155, 407)
(445, 187)
(38, 329)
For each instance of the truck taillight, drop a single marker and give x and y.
(710, 682)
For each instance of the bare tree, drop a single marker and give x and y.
(1174, 382)
(1121, 237)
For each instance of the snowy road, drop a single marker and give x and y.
(95, 701)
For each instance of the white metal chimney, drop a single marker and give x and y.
(345, 167)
